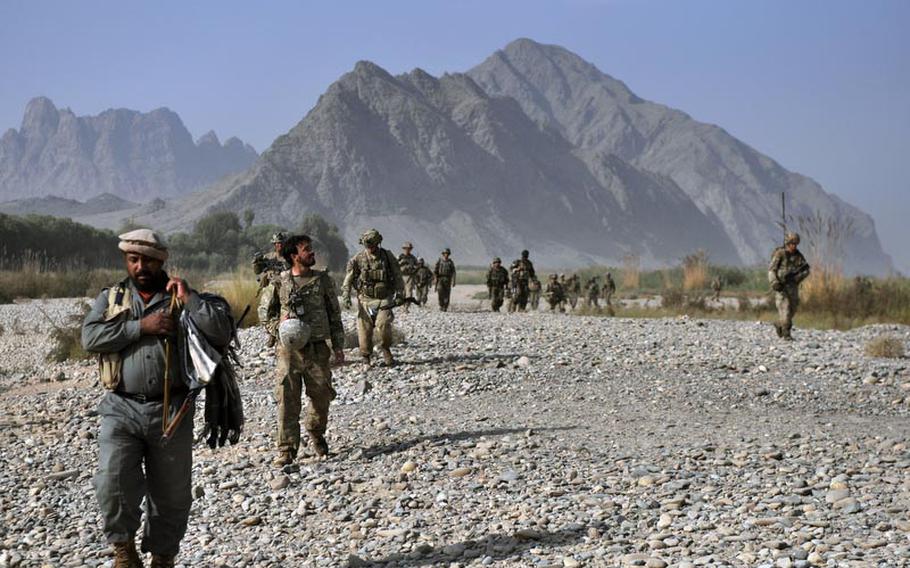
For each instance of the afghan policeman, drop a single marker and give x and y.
(786, 272)
(130, 325)
(375, 275)
(309, 316)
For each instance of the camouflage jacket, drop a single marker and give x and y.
(445, 270)
(526, 269)
(268, 266)
(407, 263)
(593, 289)
(787, 269)
(554, 291)
(423, 276)
(374, 276)
(609, 285)
(312, 299)
(497, 277)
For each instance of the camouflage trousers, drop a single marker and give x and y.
(496, 297)
(409, 287)
(366, 325)
(787, 301)
(534, 298)
(421, 294)
(608, 296)
(521, 296)
(306, 370)
(443, 293)
(592, 300)
(573, 299)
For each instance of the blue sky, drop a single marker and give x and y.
(822, 86)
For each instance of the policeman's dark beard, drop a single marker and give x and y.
(156, 283)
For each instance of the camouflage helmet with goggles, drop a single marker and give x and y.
(791, 239)
(496, 259)
(407, 245)
(370, 237)
(279, 237)
(446, 251)
(552, 277)
(421, 260)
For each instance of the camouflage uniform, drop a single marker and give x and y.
(523, 271)
(378, 282)
(267, 267)
(444, 272)
(423, 277)
(573, 290)
(407, 263)
(497, 284)
(555, 294)
(716, 285)
(534, 293)
(608, 289)
(785, 273)
(592, 290)
(313, 300)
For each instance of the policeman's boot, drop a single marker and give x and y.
(162, 561)
(320, 446)
(125, 555)
(387, 358)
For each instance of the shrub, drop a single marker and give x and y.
(241, 290)
(631, 272)
(885, 346)
(695, 270)
(66, 339)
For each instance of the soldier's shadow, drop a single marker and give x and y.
(466, 357)
(438, 439)
(498, 546)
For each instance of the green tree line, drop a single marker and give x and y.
(54, 243)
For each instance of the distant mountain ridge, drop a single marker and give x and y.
(533, 148)
(133, 155)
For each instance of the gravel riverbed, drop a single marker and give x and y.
(507, 440)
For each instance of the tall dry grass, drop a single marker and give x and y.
(695, 270)
(240, 289)
(631, 272)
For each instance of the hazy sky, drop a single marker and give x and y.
(822, 86)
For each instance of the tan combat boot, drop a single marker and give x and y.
(125, 555)
(320, 446)
(387, 358)
(162, 561)
(284, 457)
(366, 361)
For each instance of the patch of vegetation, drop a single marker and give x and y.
(886, 346)
(66, 339)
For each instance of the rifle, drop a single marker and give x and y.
(793, 274)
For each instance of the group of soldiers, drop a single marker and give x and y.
(522, 288)
(145, 455)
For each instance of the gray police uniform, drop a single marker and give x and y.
(132, 461)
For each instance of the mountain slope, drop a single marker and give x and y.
(439, 162)
(723, 176)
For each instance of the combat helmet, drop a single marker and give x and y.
(446, 251)
(407, 245)
(293, 333)
(525, 254)
(791, 239)
(552, 277)
(497, 259)
(279, 237)
(370, 237)
(421, 261)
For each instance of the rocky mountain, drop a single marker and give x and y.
(534, 148)
(62, 207)
(440, 162)
(723, 176)
(132, 155)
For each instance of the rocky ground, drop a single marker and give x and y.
(509, 440)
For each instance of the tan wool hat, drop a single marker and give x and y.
(145, 242)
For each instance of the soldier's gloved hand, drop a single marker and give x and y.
(777, 287)
(346, 302)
